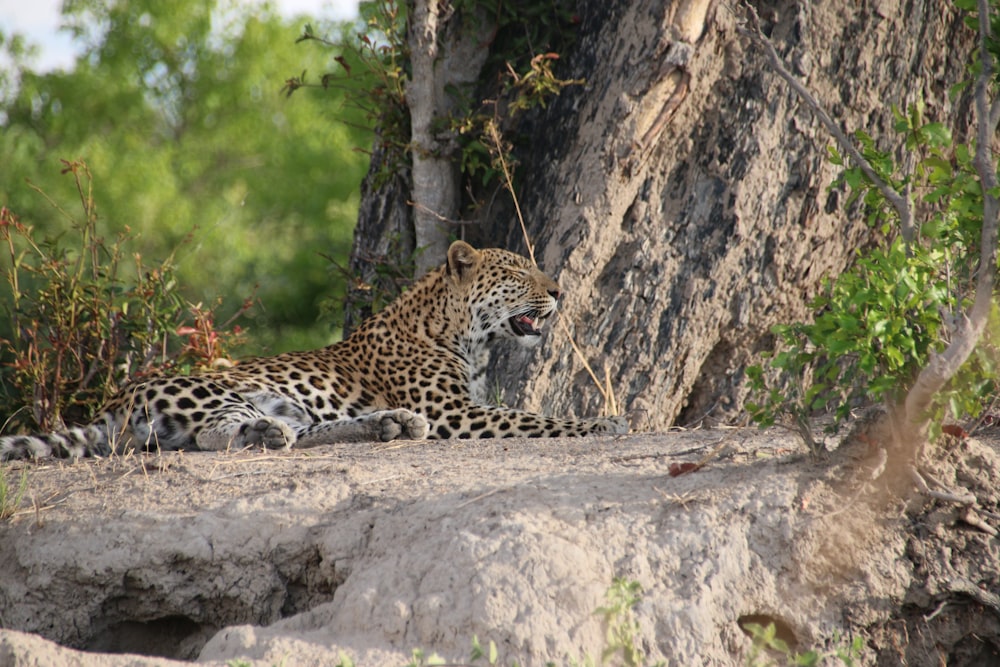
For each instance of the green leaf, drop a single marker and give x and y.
(477, 649)
(780, 645)
(895, 357)
(937, 134)
(807, 659)
(962, 154)
(853, 178)
(940, 168)
(957, 89)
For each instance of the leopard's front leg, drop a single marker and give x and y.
(478, 421)
(384, 425)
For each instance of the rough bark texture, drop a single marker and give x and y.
(681, 196)
(383, 235)
(678, 258)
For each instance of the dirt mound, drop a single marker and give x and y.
(374, 550)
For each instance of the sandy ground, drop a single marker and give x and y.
(373, 550)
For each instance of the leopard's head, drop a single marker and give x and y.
(507, 295)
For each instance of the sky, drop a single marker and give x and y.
(38, 21)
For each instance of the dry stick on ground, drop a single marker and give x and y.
(941, 366)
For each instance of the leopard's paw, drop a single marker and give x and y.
(266, 432)
(402, 424)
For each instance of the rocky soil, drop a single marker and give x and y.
(370, 551)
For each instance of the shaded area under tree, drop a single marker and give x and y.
(681, 196)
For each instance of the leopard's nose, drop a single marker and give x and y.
(554, 293)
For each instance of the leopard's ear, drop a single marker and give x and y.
(462, 259)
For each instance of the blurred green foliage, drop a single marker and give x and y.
(177, 109)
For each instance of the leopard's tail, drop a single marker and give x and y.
(74, 442)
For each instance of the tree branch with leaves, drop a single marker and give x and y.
(903, 323)
(969, 327)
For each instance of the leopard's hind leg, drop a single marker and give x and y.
(200, 413)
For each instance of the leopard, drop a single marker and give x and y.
(415, 370)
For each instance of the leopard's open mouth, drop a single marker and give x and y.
(525, 324)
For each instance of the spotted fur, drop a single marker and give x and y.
(415, 370)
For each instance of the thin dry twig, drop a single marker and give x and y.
(379, 480)
(609, 393)
(37, 509)
(610, 404)
(682, 499)
(609, 398)
(441, 218)
(972, 518)
(481, 496)
(947, 496)
(641, 457)
(242, 473)
(495, 137)
(937, 610)
(713, 453)
(398, 444)
(986, 598)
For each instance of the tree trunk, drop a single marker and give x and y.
(682, 196)
(444, 53)
(384, 235)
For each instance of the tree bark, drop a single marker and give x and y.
(405, 218)
(681, 197)
(444, 51)
(384, 234)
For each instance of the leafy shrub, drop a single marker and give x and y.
(877, 324)
(769, 650)
(80, 327)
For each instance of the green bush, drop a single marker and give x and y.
(877, 324)
(80, 327)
